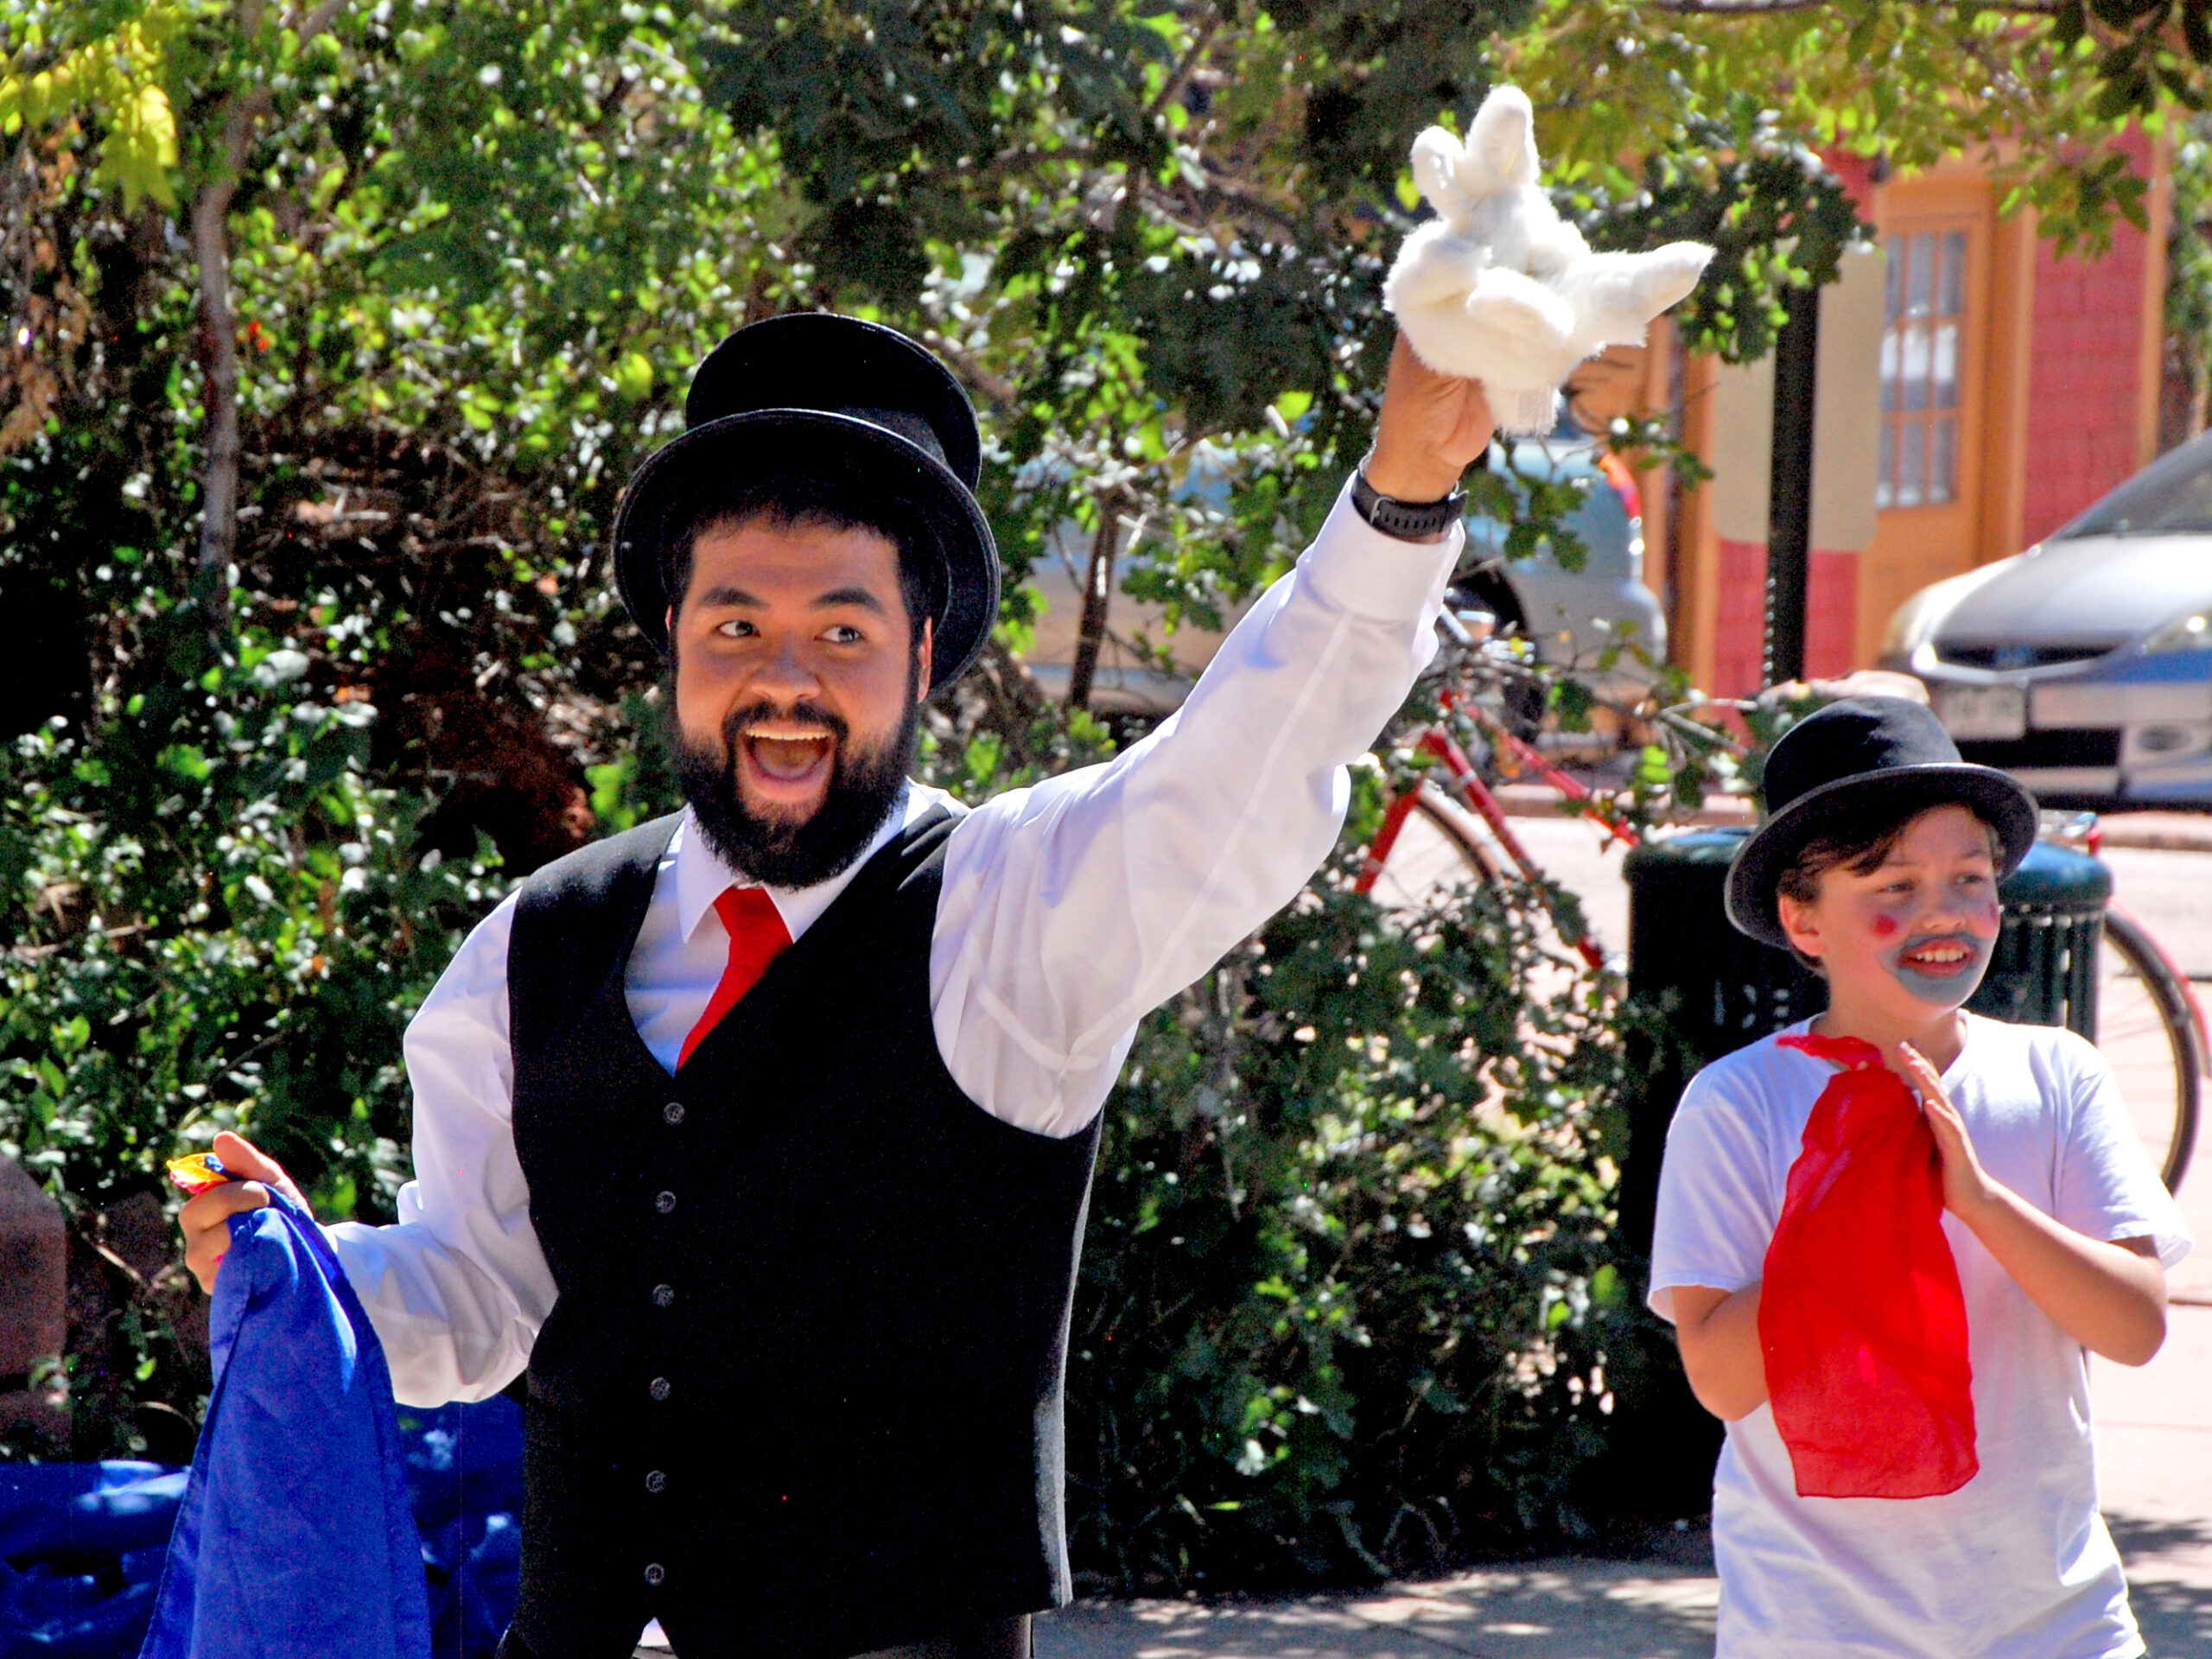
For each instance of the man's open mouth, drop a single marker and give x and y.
(788, 754)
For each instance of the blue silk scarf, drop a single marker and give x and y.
(295, 1540)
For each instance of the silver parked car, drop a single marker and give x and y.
(1571, 615)
(2084, 665)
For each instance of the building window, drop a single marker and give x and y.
(1923, 334)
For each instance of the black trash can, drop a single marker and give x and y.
(1718, 989)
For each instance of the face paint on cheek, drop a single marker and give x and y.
(1886, 927)
(1943, 967)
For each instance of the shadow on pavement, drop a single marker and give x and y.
(1580, 1609)
(2169, 1582)
(1548, 1609)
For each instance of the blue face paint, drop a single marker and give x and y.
(1955, 981)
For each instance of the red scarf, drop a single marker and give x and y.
(1861, 1320)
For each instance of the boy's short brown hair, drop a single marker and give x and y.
(1858, 842)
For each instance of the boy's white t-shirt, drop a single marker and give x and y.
(2016, 1563)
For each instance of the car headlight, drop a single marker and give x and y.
(1913, 621)
(2190, 632)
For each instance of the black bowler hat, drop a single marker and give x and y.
(831, 397)
(1863, 755)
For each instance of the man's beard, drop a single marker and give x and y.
(864, 785)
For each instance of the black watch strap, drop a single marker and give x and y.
(1410, 521)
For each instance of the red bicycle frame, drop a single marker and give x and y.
(1467, 784)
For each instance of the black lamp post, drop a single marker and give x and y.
(1790, 501)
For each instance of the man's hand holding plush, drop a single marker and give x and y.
(1499, 288)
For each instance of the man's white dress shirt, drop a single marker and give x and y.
(1069, 910)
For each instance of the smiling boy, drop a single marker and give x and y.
(1878, 865)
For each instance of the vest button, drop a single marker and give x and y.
(658, 1387)
(664, 1203)
(663, 1294)
(656, 1481)
(655, 1574)
(672, 1113)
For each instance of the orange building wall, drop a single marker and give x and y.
(2064, 366)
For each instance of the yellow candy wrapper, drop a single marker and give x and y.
(197, 1173)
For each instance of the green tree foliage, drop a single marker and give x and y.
(220, 921)
(2040, 91)
(2189, 272)
(116, 78)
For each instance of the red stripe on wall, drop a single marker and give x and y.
(1739, 619)
(1832, 615)
(2083, 395)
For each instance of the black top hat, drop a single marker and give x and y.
(813, 391)
(1858, 756)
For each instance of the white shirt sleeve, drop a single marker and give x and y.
(2106, 1187)
(1072, 908)
(458, 1288)
(1717, 1210)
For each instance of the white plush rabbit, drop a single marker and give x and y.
(1499, 288)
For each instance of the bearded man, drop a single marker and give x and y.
(761, 1135)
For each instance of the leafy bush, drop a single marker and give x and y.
(224, 923)
(1344, 1302)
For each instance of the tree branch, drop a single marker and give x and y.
(1098, 595)
(219, 344)
(1220, 193)
(218, 322)
(317, 21)
(1178, 80)
(993, 385)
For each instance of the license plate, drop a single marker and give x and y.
(1989, 713)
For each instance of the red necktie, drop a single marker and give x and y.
(757, 938)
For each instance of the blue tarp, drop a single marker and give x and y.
(81, 1544)
(464, 1474)
(80, 1549)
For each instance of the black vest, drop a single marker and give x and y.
(800, 1393)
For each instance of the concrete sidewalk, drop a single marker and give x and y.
(1548, 1609)
(2154, 1444)
(2154, 1449)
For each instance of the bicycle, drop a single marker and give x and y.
(2149, 1023)
(1451, 829)
(1400, 866)
(1451, 824)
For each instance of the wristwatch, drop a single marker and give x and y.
(1409, 521)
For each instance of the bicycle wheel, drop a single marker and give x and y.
(1438, 849)
(1442, 847)
(2148, 1036)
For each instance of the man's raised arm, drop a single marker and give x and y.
(1072, 908)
